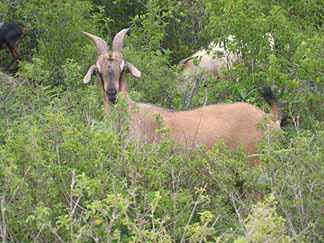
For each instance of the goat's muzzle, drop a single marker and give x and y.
(111, 94)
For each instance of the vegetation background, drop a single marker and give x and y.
(67, 176)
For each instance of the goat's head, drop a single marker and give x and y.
(110, 66)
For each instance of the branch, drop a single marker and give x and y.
(4, 220)
(192, 93)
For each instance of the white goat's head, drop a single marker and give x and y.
(110, 66)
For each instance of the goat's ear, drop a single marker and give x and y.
(134, 71)
(184, 61)
(87, 77)
(122, 64)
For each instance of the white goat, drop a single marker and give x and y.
(211, 60)
(215, 58)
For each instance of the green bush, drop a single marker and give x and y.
(66, 174)
(54, 34)
(292, 68)
(69, 174)
(263, 224)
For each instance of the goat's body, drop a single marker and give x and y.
(210, 61)
(234, 124)
(10, 33)
(217, 57)
(207, 64)
(228, 123)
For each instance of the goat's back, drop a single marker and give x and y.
(10, 33)
(235, 124)
(211, 60)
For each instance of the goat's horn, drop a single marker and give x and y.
(102, 47)
(118, 40)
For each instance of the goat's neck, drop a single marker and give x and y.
(108, 105)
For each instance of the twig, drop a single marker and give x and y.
(39, 232)
(192, 93)
(72, 207)
(4, 220)
(289, 220)
(76, 204)
(114, 216)
(57, 150)
(237, 210)
(190, 218)
(204, 229)
(206, 95)
(57, 235)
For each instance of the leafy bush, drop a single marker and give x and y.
(263, 224)
(54, 34)
(292, 67)
(67, 173)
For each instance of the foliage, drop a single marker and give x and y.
(263, 224)
(66, 175)
(296, 181)
(70, 174)
(147, 34)
(292, 66)
(54, 34)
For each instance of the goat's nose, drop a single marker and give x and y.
(111, 92)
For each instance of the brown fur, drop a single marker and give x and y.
(235, 124)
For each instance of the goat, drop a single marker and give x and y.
(210, 60)
(203, 63)
(235, 124)
(216, 57)
(10, 34)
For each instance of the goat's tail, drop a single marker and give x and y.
(273, 102)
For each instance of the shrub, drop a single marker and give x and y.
(54, 34)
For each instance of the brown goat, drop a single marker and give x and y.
(235, 124)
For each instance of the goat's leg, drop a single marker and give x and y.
(15, 56)
(14, 53)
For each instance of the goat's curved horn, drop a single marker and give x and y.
(118, 40)
(102, 47)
